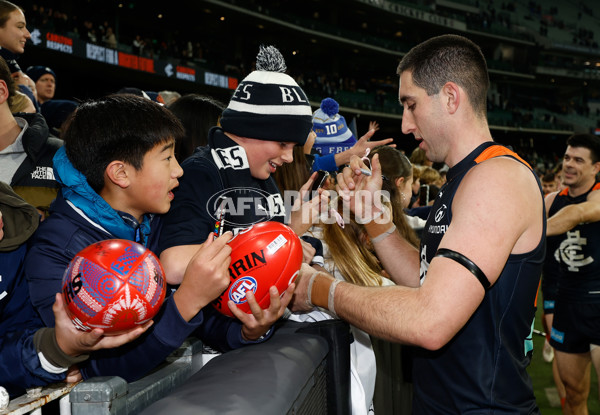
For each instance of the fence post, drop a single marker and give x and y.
(102, 395)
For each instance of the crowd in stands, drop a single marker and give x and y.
(98, 28)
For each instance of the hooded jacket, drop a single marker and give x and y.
(80, 217)
(34, 179)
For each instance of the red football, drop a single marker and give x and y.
(263, 255)
(114, 285)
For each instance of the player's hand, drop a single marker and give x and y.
(206, 276)
(74, 342)
(260, 321)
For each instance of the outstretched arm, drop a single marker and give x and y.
(360, 147)
(206, 275)
(305, 213)
(64, 345)
(432, 314)
(570, 216)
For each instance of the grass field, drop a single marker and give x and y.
(541, 374)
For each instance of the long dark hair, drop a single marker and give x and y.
(197, 113)
(291, 176)
(394, 165)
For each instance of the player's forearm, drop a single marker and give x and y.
(565, 219)
(399, 258)
(380, 311)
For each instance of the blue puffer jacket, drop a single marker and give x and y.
(19, 364)
(80, 217)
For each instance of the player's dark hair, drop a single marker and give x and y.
(116, 127)
(589, 141)
(449, 58)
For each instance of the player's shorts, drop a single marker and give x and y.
(575, 327)
(549, 292)
(548, 305)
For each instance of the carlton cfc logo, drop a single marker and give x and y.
(237, 292)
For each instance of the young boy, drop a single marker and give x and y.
(29, 354)
(267, 116)
(117, 171)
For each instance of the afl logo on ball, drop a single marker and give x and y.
(237, 292)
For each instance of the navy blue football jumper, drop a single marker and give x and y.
(483, 368)
(577, 253)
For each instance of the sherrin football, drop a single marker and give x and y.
(263, 255)
(114, 285)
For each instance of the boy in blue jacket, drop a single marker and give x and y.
(117, 171)
(31, 355)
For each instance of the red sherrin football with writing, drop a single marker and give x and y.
(263, 255)
(114, 285)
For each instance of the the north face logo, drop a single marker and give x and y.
(43, 173)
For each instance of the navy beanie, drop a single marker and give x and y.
(56, 111)
(268, 104)
(36, 72)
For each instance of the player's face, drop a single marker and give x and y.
(14, 34)
(152, 186)
(45, 87)
(264, 157)
(578, 169)
(421, 118)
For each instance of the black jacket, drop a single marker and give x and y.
(34, 179)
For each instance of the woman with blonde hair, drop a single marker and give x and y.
(349, 256)
(352, 254)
